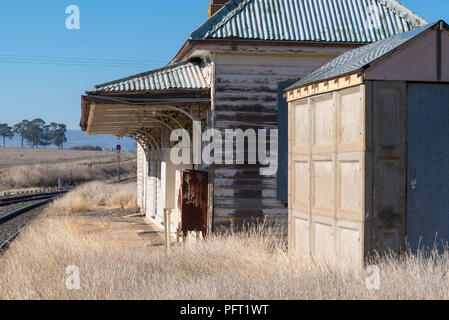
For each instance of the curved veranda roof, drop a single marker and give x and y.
(183, 75)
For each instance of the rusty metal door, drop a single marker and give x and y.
(428, 165)
(193, 200)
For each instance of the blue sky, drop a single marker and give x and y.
(141, 34)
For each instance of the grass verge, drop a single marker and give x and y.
(249, 265)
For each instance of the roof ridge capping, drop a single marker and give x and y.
(218, 19)
(402, 11)
(361, 58)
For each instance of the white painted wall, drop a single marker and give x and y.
(140, 176)
(162, 178)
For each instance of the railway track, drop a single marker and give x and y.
(5, 194)
(17, 211)
(122, 180)
(18, 198)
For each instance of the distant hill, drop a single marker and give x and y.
(77, 138)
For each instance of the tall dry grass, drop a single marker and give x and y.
(251, 265)
(246, 265)
(96, 196)
(70, 173)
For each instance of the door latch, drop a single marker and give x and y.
(414, 184)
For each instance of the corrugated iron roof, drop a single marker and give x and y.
(183, 75)
(360, 58)
(309, 20)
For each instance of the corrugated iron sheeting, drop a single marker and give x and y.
(310, 20)
(184, 75)
(356, 59)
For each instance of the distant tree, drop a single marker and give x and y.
(20, 128)
(46, 136)
(35, 133)
(38, 133)
(6, 132)
(58, 134)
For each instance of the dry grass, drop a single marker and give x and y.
(77, 172)
(253, 265)
(12, 157)
(96, 196)
(250, 265)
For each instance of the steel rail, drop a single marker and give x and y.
(17, 212)
(10, 239)
(6, 201)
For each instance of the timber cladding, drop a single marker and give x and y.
(246, 96)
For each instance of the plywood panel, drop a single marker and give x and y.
(323, 242)
(301, 183)
(323, 124)
(350, 244)
(350, 185)
(301, 124)
(323, 187)
(351, 111)
(302, 235)
(337, 176)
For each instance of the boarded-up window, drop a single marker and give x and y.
(282, 175)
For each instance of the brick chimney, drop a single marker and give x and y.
(215, 5)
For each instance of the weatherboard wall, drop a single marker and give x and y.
(246, 96)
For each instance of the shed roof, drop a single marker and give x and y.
(360, 58)
(183, 75)
(309, 20)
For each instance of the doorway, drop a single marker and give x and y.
(427, 165)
